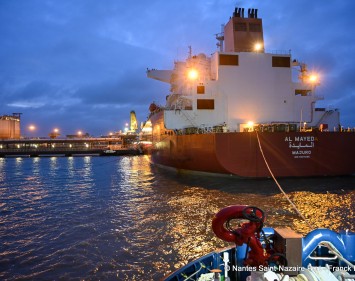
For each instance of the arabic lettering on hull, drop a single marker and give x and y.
(301, 146)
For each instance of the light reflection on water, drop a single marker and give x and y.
(119, 217)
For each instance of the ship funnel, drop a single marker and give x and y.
(253, 13)
(241, 33)
(238, 12)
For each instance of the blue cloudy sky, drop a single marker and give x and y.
(80, 64)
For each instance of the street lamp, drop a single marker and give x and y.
(32, 128)
(54, 134)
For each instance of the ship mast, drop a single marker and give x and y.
(220, 38)
(190, 52)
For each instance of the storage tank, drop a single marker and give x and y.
(10, 126)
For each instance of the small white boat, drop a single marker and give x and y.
(109, 151)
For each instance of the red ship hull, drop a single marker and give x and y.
(289, 154)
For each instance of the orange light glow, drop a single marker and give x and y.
(258, 47)
(313, 78)
(32, 127)
(192, 74)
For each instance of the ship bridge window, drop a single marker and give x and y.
(302, 92)
(254, 27)
(205, 104)
(240, 26)
(281, 61)
(201, 89)
(228, 59)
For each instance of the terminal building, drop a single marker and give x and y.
(10, 126)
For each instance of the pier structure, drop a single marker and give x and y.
(37, 147)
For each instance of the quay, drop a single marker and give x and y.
(37, 147)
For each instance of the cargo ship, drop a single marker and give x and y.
(246, 112)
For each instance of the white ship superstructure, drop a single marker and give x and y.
(241, 84)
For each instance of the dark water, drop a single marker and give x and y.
(119, 218)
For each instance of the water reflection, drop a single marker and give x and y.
(329, 210)
(193, 207)
(71, 167)
(53, 166)
(2, 170)
(122, 218)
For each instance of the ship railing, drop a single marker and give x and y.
(347, 130)
(202, 129)
(279, 52)
(273, 52)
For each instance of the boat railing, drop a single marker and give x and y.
(279, 52)
(273, 52)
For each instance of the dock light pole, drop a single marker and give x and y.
(54, 134)
(32, 128)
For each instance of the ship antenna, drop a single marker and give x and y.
(220, 38)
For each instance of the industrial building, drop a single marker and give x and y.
(10, 126)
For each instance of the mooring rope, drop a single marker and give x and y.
(279, 186)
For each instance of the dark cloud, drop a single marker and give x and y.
(81, 64)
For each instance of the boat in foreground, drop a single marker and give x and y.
(267, 254)
(242, 107)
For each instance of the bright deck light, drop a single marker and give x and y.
(313, 78)
(258, 47)
(192, 74)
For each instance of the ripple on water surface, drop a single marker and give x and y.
(119, 217)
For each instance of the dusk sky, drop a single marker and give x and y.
(81, 64)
